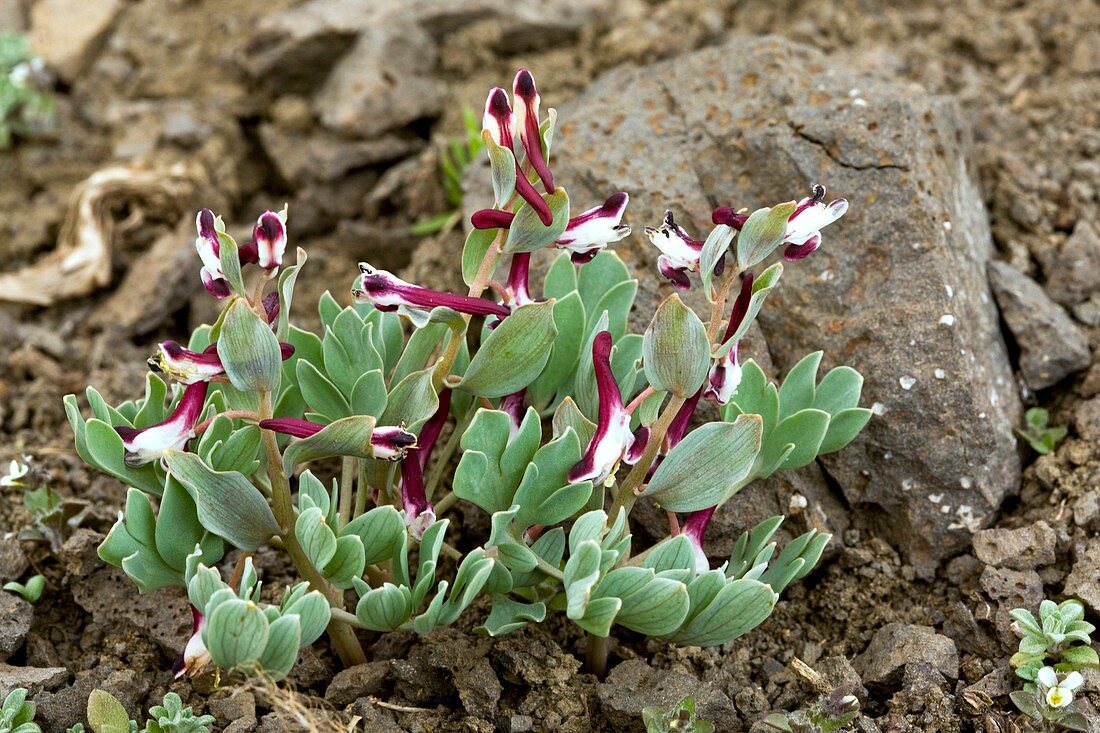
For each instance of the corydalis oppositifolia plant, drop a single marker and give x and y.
(562, 420)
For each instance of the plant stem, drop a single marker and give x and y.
(546, 567)
(232, 414)
(362, 491)
(625, 493)
(477, 287)
(342, 635)
(347, 481)
(445, 503)
(595, 658)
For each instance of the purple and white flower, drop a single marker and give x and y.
(387, 292)
(694, 527)
(146, 445)
(188, 366)
(725, 374)
(585, 236)
(1058, 689)
(525, 125)
(518, 273)
(388, 442)
(589, 233)
(804, 226)
(613, 441)
(195, 657)
(418, 511)
(513, 406)
(185, 365)
(499, 121)
(269, 238)
(208, 245)
(679, 252)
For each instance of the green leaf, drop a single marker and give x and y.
(249, 350)
(708, 463)
(319, 393)
(368, 396)
(349, 436)
(676, 353)
(580, 576)
(723, 610)
(385, 608)
(227, 503)
(284, 637)
(762, 233)
(569, 321)
(567, 416)
(230, 259)
(714, 249)
(313, 614)
(838, 390)
(527, 232)
(317, 539)
(599, 615)
(503, 164)
(509, 615)
(106, 714)
(561, 278)
(411, 402)
(843, 428)
(799, 389)
(514, 354)
(672, 553)
(477, 245)
(545, 494)
(287, 280)
(177, 528)
(236, 634)
(616, 303)
(604, 272)
(379, 530)
(654, 608)
(804, 431)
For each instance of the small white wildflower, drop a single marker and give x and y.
(1058, 689)
(16, 471)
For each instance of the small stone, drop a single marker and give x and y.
(1051, 345)
(1086, 510)
(34, 679)
(15, 621)
(1019, 549)
(69, 34)
(896, 645)
(521, 724)
(13, 563)
(1083, 581)
(362, 680)
(237, 707)
(1087, 419)
(1074, 275)
(634, 685)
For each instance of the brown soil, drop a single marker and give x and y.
(1028, 76)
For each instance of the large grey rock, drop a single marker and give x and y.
(1051, 345)
(372, 63)
(898, 290)
(895, 646)
(68, 34)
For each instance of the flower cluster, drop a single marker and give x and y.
(560, 417)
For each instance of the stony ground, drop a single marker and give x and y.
(913, 111)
